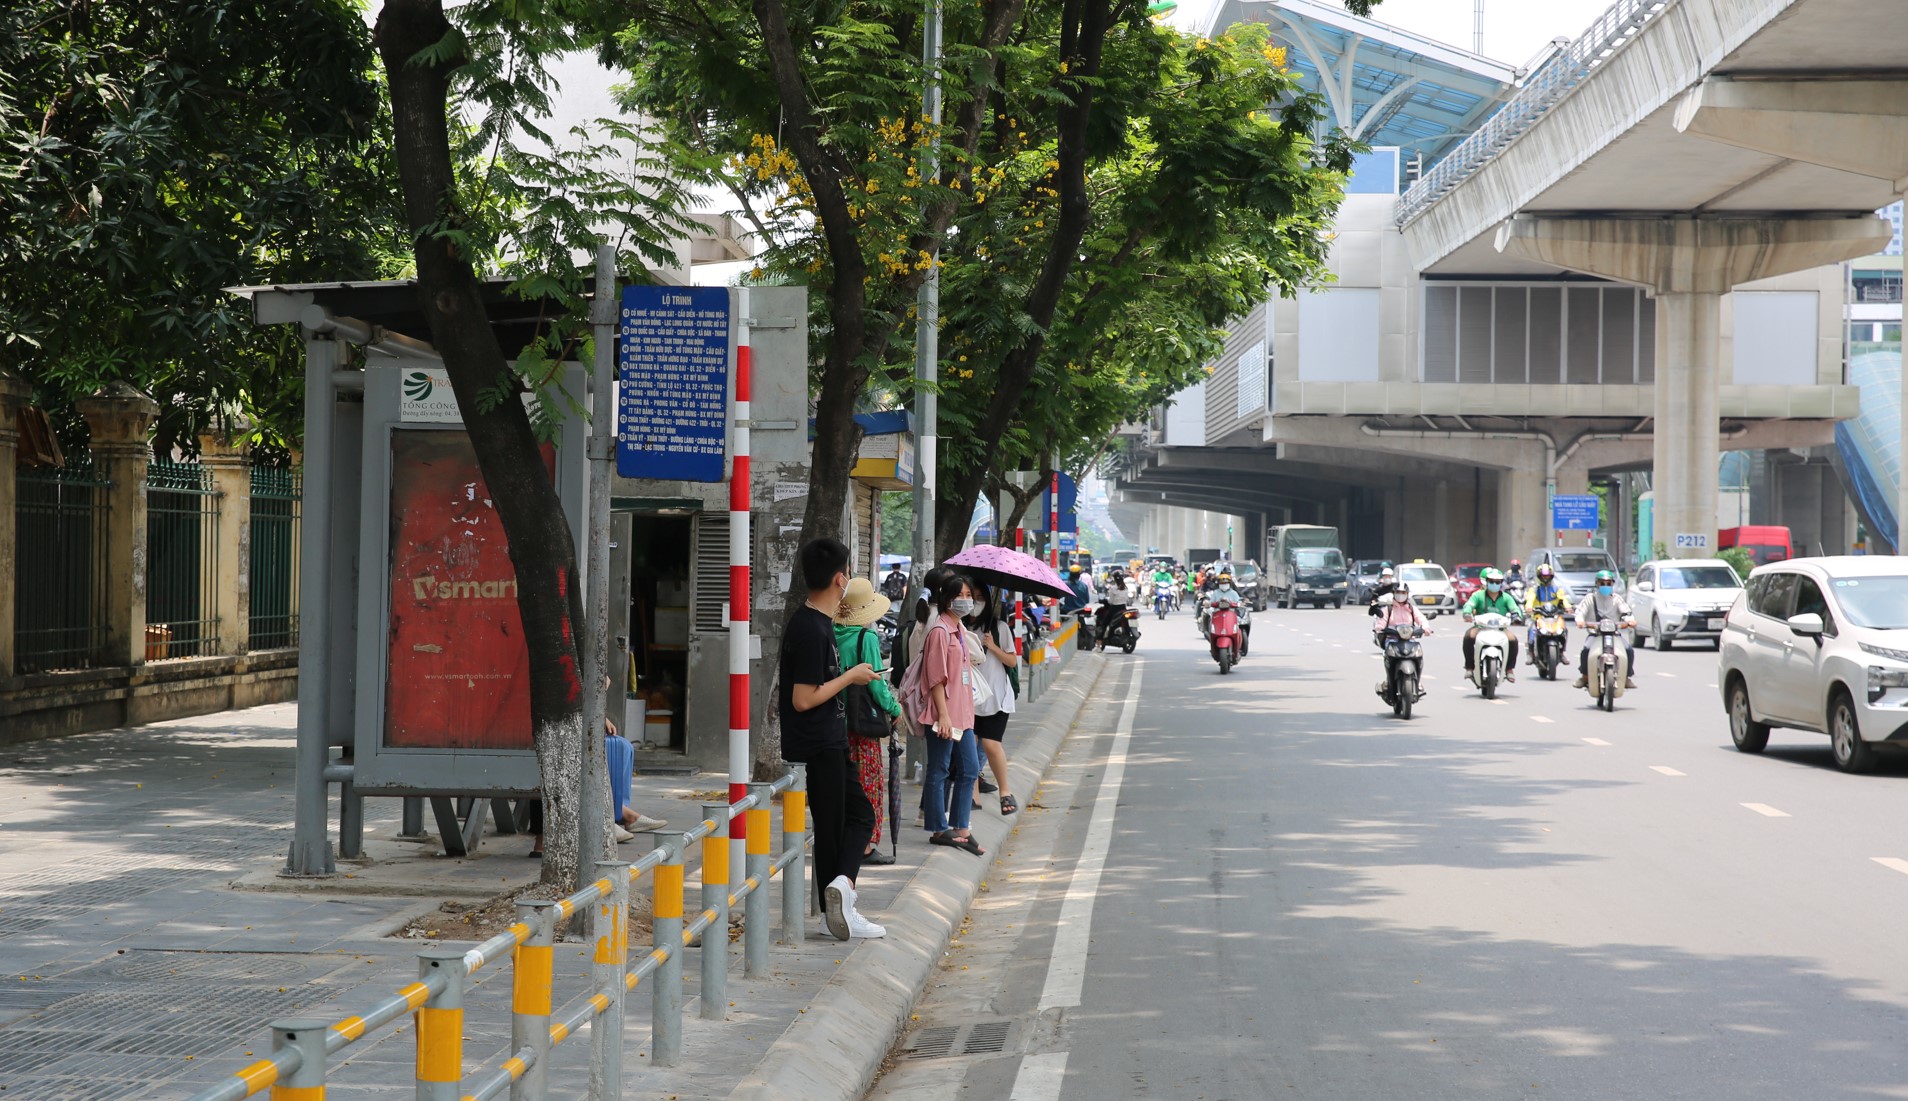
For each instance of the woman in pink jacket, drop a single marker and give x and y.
(948, 676)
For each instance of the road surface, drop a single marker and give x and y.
(1263, 885)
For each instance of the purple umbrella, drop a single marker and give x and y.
(1010, 569)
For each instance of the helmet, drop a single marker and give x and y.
(1075, 568)
(1402, 590)
(1605, 575)
(1225, 575)
(1493, 575)
(1515, 563)
(1545, 573)
(1387, 572)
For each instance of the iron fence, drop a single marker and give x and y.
(59, 619)
(276, 496)
(182, 561)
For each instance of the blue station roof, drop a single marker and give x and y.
(1402, 90)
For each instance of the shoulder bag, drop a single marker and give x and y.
(865, 717)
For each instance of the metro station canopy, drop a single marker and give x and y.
(1383, 85)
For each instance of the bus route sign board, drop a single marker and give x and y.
(672, 361)
(1573, 512)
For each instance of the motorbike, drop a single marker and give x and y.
(1087, 628)
(1549, 643)
(1162, 599)
(1123, 632)
(1491, 650)
(885, 630)
(1609, 664)
(1223, 634)
(1404, 658)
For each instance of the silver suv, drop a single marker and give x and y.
(1681, 599)
(1576, 568)
(1820, 644)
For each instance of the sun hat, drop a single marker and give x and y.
(861, 605)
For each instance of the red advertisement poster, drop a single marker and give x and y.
(458, 672)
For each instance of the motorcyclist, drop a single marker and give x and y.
(1600, 604)
(1223, 590)
(1491, 598)
(1396, 612)
(895, 585)
(1162, 576)
(1515, 573)
(1387, 584)
(1213, 573)
(1113, 603)
(1546, 598)
(1080, 593)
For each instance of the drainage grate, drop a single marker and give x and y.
(933, 1043)
(941, 1042)
(987, 1038)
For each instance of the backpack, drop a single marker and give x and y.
(912, 692)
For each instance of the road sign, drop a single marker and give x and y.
(1692, 540)
(1574, 512)
(673, 364)
(1069, 541)
(1069, 495)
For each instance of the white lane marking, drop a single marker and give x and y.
(1541, 719)
(1596, 741)
(1066, 972)
(1040, 1077)
(1895, 862)
(1666, 770)
(1766, 810)
(1670, 675)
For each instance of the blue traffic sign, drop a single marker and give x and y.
(1574, 512)
(672, 415)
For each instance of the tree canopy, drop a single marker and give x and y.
(153, 154)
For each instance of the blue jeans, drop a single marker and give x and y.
(622, 766)
(962, 756)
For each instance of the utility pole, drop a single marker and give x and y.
(927, 330)
(1477, 27)
(593, 845)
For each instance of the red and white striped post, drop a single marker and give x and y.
(1053, 524)
(739, 544)
(1020, 611)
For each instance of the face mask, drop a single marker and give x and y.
(1606, 590)
(1494, 588)
(962, 607)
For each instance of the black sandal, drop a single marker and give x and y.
(1008, 804)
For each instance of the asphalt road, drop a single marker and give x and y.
(1263, 885)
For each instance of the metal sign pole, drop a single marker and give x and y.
(927, 329)
(593, 844)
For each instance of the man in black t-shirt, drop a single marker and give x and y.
(815, 732)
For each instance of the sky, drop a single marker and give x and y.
(1514, 30)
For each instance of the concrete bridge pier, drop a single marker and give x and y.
(1689, 263)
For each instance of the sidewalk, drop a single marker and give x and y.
(131, 966)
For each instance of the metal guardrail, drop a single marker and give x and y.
(1542, 91)
(300, 1047)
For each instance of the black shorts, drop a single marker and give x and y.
(989, 728)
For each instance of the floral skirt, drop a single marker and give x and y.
(868, 754)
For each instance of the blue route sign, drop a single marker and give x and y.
(672, 360)
(1069, 495)
(1069, 541)
(1574, 512)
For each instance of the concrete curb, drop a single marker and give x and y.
(834, 1050)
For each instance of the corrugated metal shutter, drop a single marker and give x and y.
(865, 560)
(1440, 333)
(710, 566)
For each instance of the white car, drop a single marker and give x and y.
(1430, 588)
(1679, 599)
(1820, 644)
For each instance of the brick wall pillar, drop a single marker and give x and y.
(231, 472)
(13, 396)
(118, 419)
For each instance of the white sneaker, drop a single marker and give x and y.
(839, 903)
(621, 833)
(644, 823)
(859, 926)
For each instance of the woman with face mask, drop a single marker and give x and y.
(952, 757)
(997, 657)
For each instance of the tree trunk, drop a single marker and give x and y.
(541, 547)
